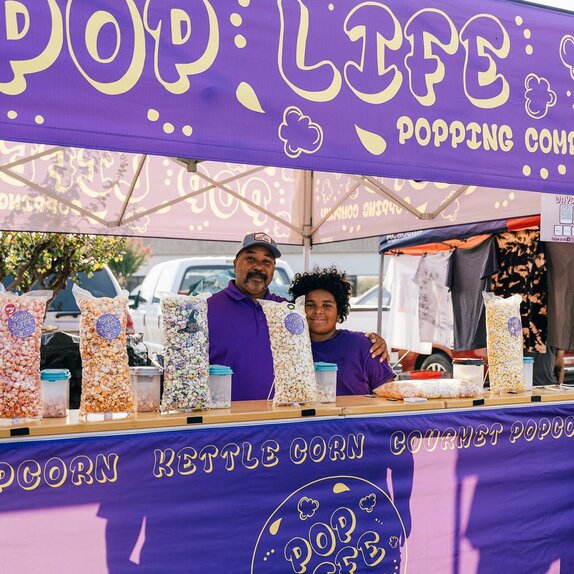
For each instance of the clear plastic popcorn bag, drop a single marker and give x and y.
(106, 385)
(21, 320)
(292, 357)
(504, 342)
(186, 353)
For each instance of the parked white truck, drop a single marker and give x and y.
(188, 276)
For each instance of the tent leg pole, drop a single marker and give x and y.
(380, 301)
(308, 219)
(306, 254)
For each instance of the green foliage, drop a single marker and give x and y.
(134, 255)
(48, 260)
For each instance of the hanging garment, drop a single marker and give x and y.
(522, 270)
(435, 303)
(468, 275)
(403, 326)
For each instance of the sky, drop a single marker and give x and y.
(565, 4)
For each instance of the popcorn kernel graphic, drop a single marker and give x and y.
(299, 133)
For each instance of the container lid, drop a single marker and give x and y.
(528, 359)
(146, 371)
(220, 370)
(54, 374)
(325, 366)
(478, 362)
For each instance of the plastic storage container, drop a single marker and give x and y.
(469, 370)
(55, 392)
(220, 386)
(146, 386)
(326, 377)
(528, 372)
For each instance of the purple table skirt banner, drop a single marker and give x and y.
(465, 492)
(457, 92)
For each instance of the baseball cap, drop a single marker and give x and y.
(261, 239)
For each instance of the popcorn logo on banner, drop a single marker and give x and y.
(334, 524)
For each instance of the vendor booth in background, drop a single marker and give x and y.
(447, 269)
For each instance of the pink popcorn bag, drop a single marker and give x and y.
(106, 384)
(21, 320)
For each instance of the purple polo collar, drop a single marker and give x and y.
(235, 293)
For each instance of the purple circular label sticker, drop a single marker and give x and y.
(109, 326)
(514, 326)
(294, 324)
(22, 324)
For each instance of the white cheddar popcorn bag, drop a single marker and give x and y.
(291, 349)
(186, 347)
(21, 320)
(504, 342)
(106, 385)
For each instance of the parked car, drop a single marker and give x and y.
(63, 313)
(188, 276)
(363, 315)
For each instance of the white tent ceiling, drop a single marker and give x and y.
(62, 189)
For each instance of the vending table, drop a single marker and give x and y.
(363, 485)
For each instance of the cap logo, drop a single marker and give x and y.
(262, 237)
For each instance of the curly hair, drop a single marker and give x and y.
(331, 280)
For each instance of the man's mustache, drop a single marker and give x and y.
(256, 274)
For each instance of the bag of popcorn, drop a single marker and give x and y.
(106, 385)
(504, 342)
(21, 320)
(186, 353)
(291, 349)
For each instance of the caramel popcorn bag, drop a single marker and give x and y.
(21, 320)
(291, 348)
(504, 342)
(106, 386)
(186, 348)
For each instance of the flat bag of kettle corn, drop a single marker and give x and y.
(291, 349)
(504, 342)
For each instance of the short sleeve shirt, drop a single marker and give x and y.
(357, 372)
(239, 338)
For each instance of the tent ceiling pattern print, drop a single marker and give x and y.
(43, 188)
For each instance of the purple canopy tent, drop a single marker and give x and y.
(183, 95)
(455, 94)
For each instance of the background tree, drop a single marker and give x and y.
(48, 260)
(135, 254)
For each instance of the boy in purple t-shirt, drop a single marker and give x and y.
(327, 295)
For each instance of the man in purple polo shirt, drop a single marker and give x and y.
(238, 332)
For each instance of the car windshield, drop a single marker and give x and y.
(210, 279)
